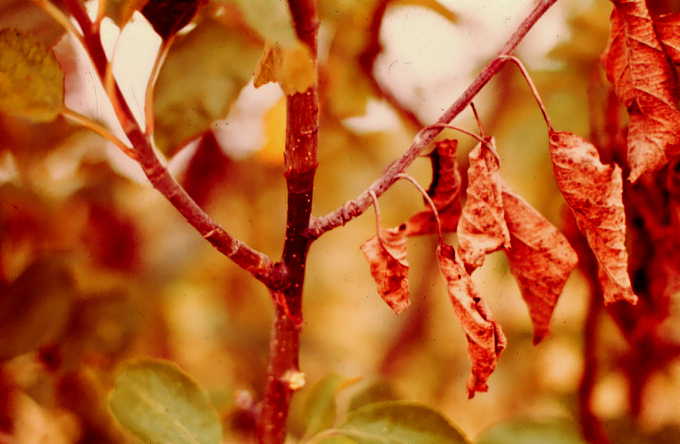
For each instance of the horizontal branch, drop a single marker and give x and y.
(357, 206)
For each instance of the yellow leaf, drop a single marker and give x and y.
(31, 80)
(293, 68)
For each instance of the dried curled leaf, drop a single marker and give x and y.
(31, 80)
(386, 255)
(444, 191)
(668, 30)
(645, 82)
(292, 67)
(541, 259)
(485, 338)
(482, 228)
(594, 192)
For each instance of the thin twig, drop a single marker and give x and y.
(101, 12)
(151, 84)
(428, 199)
(477, 119)
(357, 206)
(478, 138)
(59, 17)
(532, 86)
(99, 129)
(376, 209)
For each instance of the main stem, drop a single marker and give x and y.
(300, 160)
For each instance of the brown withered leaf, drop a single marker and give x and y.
(594, 193)
(482, 228)
(444, 191)
(668, 30)
(485, 338)
(644, 81)
(387, 257)
(541, 259)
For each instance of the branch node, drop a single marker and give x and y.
(294, 379)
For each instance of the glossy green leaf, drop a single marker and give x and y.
(31, 80)
(271, 19)
(398, 422)
(200, 80)
(159, 403)
(532, 432)
(320, 409)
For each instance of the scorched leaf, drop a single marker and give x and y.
(594, 192)
(540, 258)
(386, 255)
(482, 228)
(484, 336)
(644, 81)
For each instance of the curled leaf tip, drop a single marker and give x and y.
(482, 229)
(386, 255)
(485, 338)
(444, 191)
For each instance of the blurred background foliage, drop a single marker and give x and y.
(96, 268)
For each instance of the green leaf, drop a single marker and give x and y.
(271, 19)
(31, 80)
(201, 78)
(159, 403)
(398, 422)
(532, 432)
(376, 391)
(320, 408)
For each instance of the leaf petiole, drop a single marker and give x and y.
(99, 129)
(532, 86)
(59, 17)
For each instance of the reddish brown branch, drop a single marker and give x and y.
(357, 206)
(258, 264)
(302, 126)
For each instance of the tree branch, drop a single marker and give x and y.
(300, 159)
(251, 260)
(357, 206)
